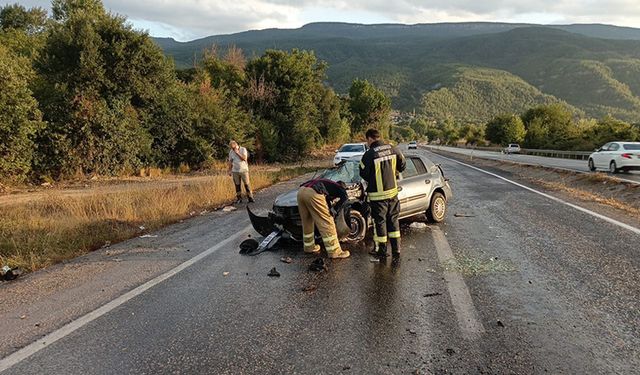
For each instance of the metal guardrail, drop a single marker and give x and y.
(576, 155)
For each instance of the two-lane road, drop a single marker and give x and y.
(519, 284)
(568, 164)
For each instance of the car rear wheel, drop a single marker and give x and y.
(358, 225)
(613, 168)
(592, 166)
(438, 208)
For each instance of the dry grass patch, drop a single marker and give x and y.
(44, 231)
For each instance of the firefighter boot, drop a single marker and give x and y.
(395, 247)
(379, 250)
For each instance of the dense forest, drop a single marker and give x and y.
(594, 68)
(85, 93)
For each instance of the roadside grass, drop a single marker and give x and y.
(48, 230)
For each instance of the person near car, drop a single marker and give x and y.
(379, 168)
(314, 204)
(239, 169)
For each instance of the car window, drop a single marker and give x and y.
(429, 164)
(614, 147)
(605, 147)
(351, 148)
(631, 147)
(420, 168)
(410, 170)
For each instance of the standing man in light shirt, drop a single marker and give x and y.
(239, 169)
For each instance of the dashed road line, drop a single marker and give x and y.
(69, 328)
(459, 294)
(556, 199)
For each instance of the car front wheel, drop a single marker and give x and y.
(358, 227)
(592, 166)
(438, 208)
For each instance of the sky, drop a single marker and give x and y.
(190, 19)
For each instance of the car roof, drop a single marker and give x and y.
(353, 144)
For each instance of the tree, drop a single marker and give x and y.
(505, 129)
(22, 30)
(370, 108)
(284, 89)
(19, 116)
(550, 126)
(473, 134)
(448, 131)
(100, 81)
(610, 129)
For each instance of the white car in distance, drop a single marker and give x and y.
(513, 148)
(616, 156)
(349, 150)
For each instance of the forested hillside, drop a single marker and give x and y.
(591, 67)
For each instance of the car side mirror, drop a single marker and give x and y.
(598, 150)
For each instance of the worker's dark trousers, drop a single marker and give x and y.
(385, 215)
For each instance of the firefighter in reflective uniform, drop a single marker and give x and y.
(314, 202)
(379, 167)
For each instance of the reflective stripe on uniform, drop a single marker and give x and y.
(395, 234)
(309, 243)
(310, 235)
(380, 196)
(331, 249)
(380, 239)
(361, 165)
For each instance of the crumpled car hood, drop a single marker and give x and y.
(288, 199)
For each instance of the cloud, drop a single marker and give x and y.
(192, 18)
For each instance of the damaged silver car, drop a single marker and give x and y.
(423, 189)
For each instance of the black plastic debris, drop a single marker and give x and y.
(450, 351)
(499, 323)
(273, 273)
(248, 246)
(432, 294)
(463, 215)
(318, 265)
(7, 273)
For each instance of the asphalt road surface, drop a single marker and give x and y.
(570, 164)
(514, 283)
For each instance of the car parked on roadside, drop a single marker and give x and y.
(512, 148)
(423, 189)
(616, 157)
(349, 150)
(413, 145)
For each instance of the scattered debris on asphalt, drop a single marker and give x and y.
(450, 351)
(273, 273)
(149, 236)
(248, 246)
(117, 260)
(23, 317)
(225, 274)
(499, 323)
(106, 244)
(318, 265)
(411, 331)
(7, 273)
(463, 215)
(432, 294)
(287, 260)
(418, 225)
(309, 288)
(229, 209)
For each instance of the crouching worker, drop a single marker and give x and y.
(314, 199)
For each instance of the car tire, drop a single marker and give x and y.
(358, 225)
(613, 168)
(437, 208)
(592, 166)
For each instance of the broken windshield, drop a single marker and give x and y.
(347, 172)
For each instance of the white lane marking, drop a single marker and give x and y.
(589, 212)
(65, 330)
(461, 299)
